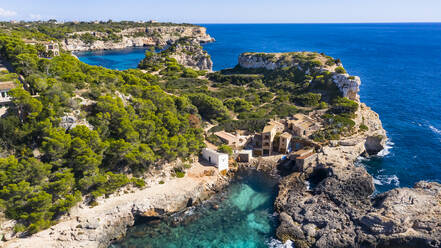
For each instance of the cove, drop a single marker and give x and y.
(120, 59)
(242, 216)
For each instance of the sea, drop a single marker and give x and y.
(399, 65)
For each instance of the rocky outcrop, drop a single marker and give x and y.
(339, 212)
(157, 35)
(332, 206)
(348, 85)
(190, 53)
(304, 61)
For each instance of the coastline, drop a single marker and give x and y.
(99, 225)
(339, 185)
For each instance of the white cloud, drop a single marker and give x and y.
(7, 13)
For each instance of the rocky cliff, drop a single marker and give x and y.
(158, 36)
(308, 61)
(332, 205)
(190, 53)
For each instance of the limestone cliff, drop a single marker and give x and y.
(158, 36)
(309, 62)
(190, 53)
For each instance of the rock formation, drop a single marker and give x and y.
(348, 85)
(190, 53)
(158, 36)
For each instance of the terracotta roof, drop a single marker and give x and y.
(7, 85)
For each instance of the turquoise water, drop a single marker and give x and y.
(399, 65)
(121, 59)
(242, 217)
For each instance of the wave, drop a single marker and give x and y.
(435, 130)
(274, 243)
(387, 180)
(386, 150)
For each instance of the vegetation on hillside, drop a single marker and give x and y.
(135, 125)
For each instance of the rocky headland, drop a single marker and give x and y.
(333, 205)
(189, 52)
(156, 36)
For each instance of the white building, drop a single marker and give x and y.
(5, 87)
(220, 160)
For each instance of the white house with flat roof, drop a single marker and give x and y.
(220, 160)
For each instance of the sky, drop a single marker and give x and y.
(225, 11)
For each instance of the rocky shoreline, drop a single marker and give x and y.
(97, 226)
(333, 206)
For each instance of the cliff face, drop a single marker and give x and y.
(138, 37)
(348, 85)
(191, 54)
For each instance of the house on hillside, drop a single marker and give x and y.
(220, 160)
(231, 139)
(52, 49)
(304, 159)
(5, 87)
(285, 142)
(302, 125)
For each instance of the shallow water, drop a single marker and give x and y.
(241, 217)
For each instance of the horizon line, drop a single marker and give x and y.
(269, 22)
(374, 22)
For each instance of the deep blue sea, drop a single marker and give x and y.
(400, 69)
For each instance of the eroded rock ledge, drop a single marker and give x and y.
(158, 36)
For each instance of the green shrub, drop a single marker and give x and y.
(180, 174)
(340, 70)
(308, 99)
(363, 127)
(225, 149)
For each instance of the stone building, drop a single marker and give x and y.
(304, 159)
(220, 160)
(231, 139)
(285, 142)
(302, 125)
(244, 156)
(52, 48)
(268, 134)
